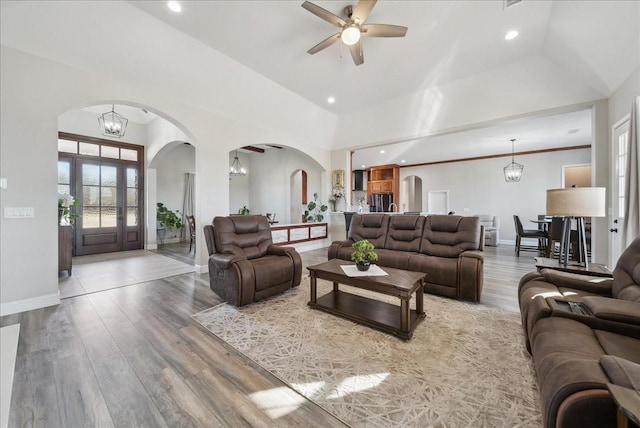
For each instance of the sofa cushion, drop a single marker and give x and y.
(622, 372)
(405, 232)
(394, 259)
(372, 227)
(440, 270)
(626, 284)
(450, 235)
(247, 236)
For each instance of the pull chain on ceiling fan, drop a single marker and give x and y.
(353, 28)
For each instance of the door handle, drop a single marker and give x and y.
(614, 230)
(119, 213)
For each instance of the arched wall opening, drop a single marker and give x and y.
(274, 182)
(167, 146)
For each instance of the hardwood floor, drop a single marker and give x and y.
(131, 356)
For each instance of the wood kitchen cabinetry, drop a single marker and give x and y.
(65, 247)
(385, 179)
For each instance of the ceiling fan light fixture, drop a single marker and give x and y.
(350, 35)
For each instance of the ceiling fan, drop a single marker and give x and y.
(353, 28)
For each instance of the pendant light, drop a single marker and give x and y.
(513, 171)
(236, 169)
(112, 124)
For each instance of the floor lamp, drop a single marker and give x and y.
(578, 203)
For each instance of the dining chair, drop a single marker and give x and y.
(521, 232)
(192, 231)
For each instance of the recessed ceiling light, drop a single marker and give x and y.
(511, 35)
(174, 6)
(363, 166)
(381, 151)
(331, 100)
(403, 161)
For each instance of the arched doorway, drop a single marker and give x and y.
(413, 191)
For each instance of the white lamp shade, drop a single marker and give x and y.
(577, 202)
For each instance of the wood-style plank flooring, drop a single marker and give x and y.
(131, 356)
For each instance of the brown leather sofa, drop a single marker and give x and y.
(571, 349)
(446, 247)
(244, 265)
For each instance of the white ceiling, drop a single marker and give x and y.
(133, 114)
(596, 41)
(445, 41)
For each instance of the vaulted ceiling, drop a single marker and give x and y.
(446, 41)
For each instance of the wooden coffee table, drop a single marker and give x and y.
(398, 320)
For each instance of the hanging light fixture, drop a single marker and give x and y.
(236, 169)
(112, 124)
(513, 171)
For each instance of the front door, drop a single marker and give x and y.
(107, 181)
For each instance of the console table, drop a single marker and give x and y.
(65, 247)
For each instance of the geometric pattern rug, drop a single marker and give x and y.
(466, 365)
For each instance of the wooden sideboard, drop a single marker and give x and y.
(65, 247)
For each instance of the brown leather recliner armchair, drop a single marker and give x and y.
(244, 265)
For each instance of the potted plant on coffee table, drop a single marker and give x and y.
(364, 254)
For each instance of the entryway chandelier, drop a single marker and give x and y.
(513, 171)
(112, 124)
(236, 169)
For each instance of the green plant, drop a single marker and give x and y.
(168, 218)
(314, 210)
(364, 251)
(244, 210)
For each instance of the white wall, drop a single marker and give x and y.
(270, 181)
(239, 186)
(478, 187)
(518, 89)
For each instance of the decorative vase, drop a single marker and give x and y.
(60, 214)
(363, 266)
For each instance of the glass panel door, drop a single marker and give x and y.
(99, 227)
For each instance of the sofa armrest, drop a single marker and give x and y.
(470, 275)
(335, 246)
(274, 250)
(295, 259)
(224, 261)
(591, 284)
(613, 309)
(475, 254)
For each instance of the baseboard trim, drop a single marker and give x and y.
(8, 350)
(201, 268)
(24, 305)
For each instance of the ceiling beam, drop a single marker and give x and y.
(253, 149)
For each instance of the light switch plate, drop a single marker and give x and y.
(3, 183)
(19, 212)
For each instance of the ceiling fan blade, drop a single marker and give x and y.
(324, 44)
(324, 14)
(383, 30)
(356, 52)
(362, 10)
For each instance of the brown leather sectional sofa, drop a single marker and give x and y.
(446, 247)
(577, 354)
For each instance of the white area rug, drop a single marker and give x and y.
(466, 365)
